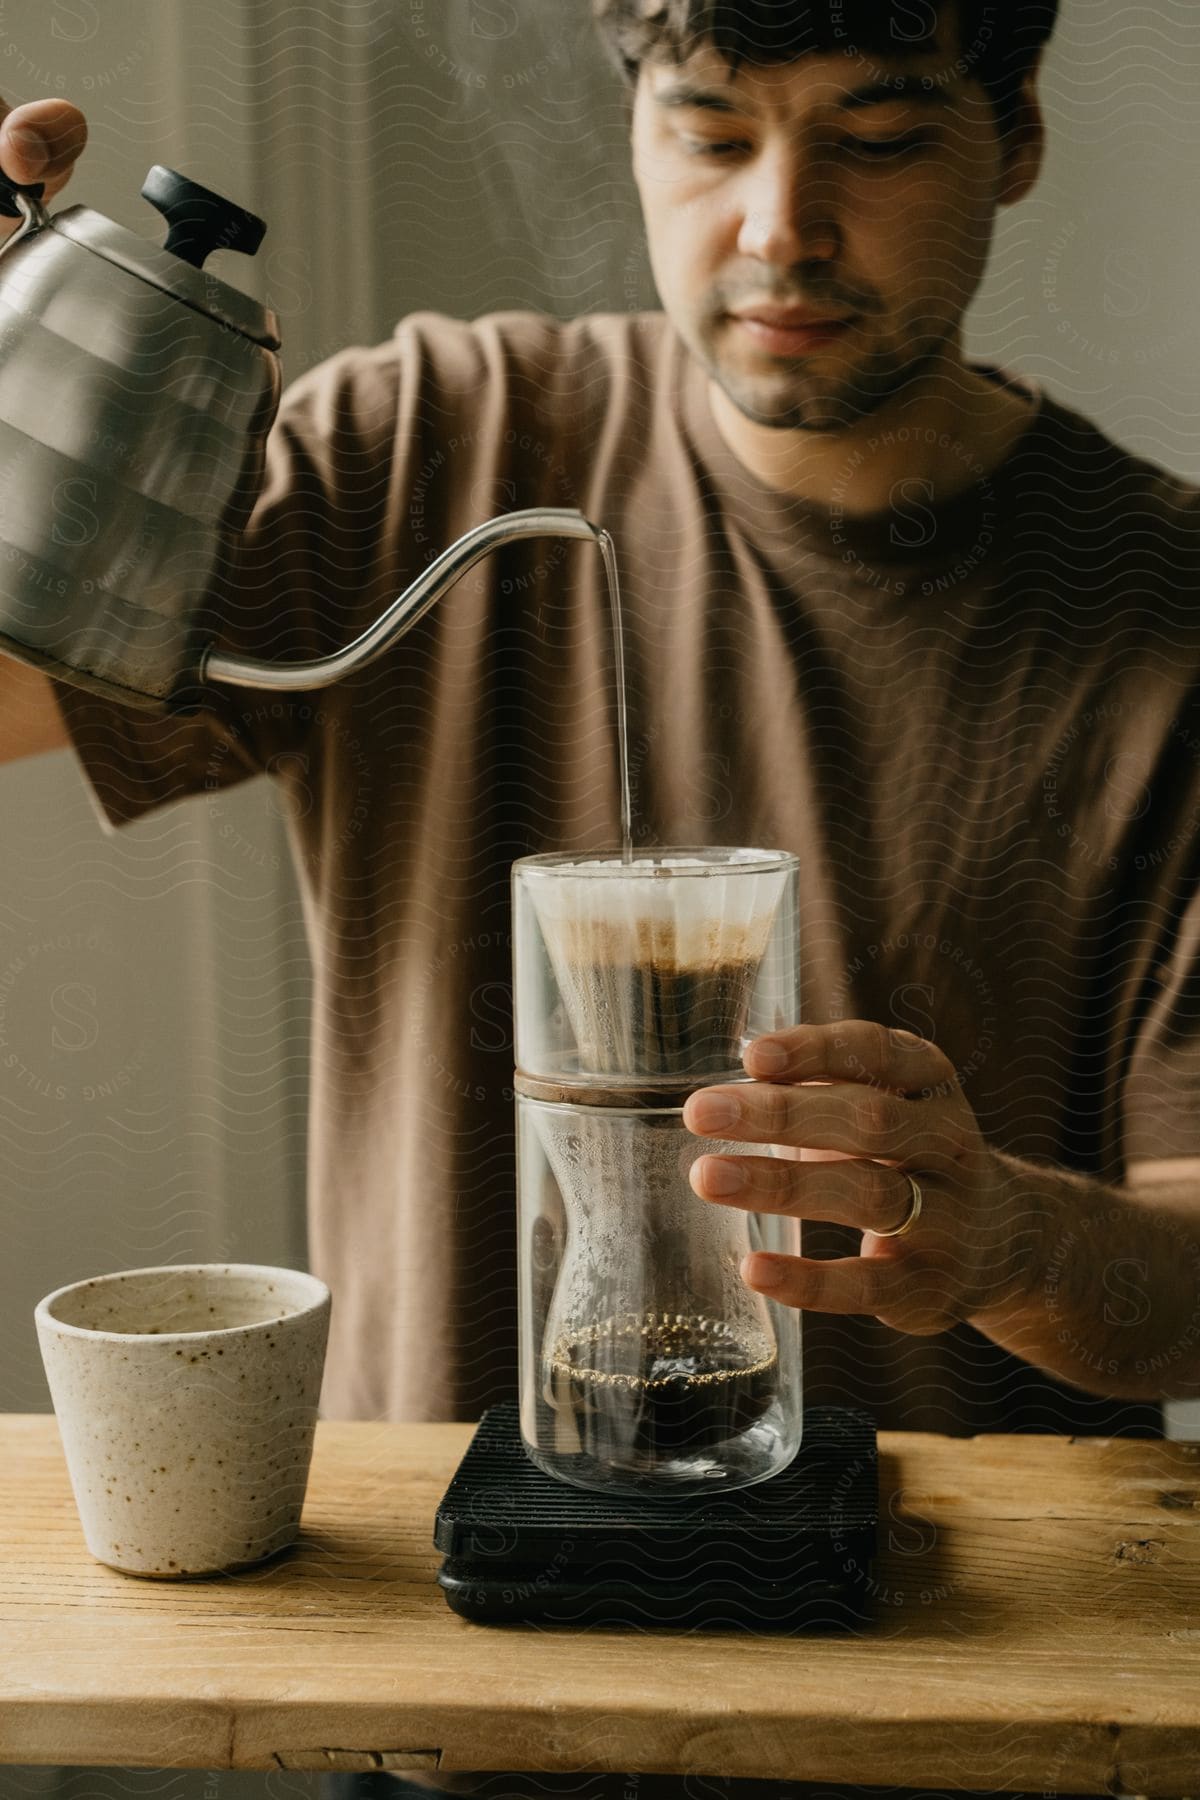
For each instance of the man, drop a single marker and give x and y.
(901, 614)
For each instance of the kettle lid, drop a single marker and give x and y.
(200, 222)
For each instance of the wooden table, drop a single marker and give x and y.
(1038, 1627)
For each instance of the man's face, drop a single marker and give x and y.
(813, 185)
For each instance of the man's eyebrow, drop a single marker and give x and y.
(901, 87)
(709, 98)
(910, 89)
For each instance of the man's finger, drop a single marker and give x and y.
(851, 1050)
(867, 1195)
(41, 141)
(851, 1284)
(842, 1115)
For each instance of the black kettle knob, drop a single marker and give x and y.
(8, 187)
(200, 221)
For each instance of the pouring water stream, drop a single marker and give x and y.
(608, 551)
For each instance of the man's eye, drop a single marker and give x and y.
(885, 147)
(714, 147)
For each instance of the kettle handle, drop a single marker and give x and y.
(24, 203)
(9, 190)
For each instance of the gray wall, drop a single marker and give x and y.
(465, 155)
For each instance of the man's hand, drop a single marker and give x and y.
(39, 141)
(867, 1105)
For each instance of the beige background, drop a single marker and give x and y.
(464, 155)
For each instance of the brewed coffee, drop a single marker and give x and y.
(663, 1019)
(658, 963)
(684, 1390)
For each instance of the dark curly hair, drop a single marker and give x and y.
(999, 40)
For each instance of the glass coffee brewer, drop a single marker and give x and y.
(649, 1472)
(647, 1366)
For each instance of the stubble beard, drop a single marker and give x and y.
(804, 394)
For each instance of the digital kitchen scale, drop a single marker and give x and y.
(793, 1553)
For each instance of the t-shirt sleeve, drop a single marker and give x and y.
(292, 586)
(1161, 1095)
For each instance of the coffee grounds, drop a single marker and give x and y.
(653, 1020)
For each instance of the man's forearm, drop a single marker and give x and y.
(1109, 1298)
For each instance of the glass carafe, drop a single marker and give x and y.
(647, 1364)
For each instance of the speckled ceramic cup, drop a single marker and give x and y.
(186, 1398)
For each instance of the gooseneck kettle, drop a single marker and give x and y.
(136, 394)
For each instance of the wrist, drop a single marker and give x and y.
(1024, 1211)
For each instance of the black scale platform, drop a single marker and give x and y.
(794, 1553)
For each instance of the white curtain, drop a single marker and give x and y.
(157, 1005)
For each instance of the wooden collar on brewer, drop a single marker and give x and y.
(578, 1093)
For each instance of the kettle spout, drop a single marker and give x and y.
(404, 612)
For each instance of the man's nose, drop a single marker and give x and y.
(790, 212)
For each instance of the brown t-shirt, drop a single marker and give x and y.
(974, 718)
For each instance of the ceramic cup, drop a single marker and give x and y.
(186, 1398)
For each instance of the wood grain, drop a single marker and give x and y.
(1037, 1627)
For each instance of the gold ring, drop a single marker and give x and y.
(913, 1215)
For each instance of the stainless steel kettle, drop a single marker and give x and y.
(136, 394)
